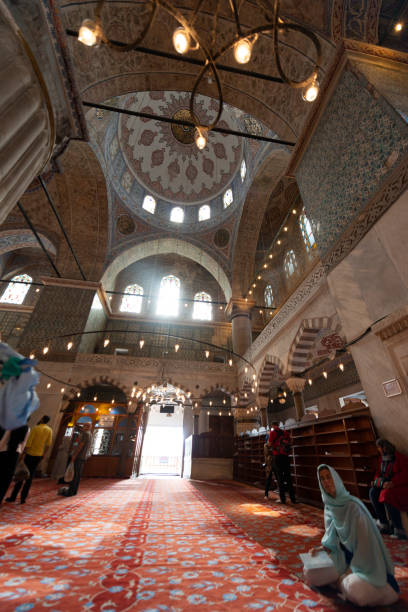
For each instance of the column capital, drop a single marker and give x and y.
(239, 307)
(295, 384)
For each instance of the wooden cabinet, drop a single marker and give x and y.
(345, 441)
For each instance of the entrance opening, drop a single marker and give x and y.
(163, 442)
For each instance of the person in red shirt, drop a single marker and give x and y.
(389, 491)
(279, 440)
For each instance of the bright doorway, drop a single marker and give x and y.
(163, 442)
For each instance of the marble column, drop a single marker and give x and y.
(239, 312)
(263, 401)
(296, 385)
(27, 132)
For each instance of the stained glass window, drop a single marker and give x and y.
(243, 170)
(290, 263)
(132, 302)
(202, 306)
(149, 204)
(16, 291)
(268, 296)
(168, 302)
(177, 215)
(228, 198)
(204, 213)
(307, 232)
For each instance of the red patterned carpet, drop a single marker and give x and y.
(160, 545)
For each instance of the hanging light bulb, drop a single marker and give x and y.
(69, 346)
(279, 242)
(294, 211)
(341, 366)
(219, 414)
(285, 229)
(229, 414)
(256, 408)
(246, 395)
(95, 398)
(207, 354)
(176, 347)
(270, 256)
(62, 389)
(311, 91)
(181, 40)
(265, 266)
(113, 401)
(90, 33)
(31, 355)
(45, 350)
(208, 412)
(230, 362)
(79, 394)
(254, 285)
(246, 369)
(281, 396)
(201, 137)
(243, 50)
(325, 374)
(310, 381)
(253, 376)
(106, 342)
(48, 385)
(211, 403)
(398, 26)
(141, 343)
(224, 401)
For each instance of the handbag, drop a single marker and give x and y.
(22, 472)
(69, 472)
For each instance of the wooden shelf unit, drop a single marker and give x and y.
(345, 441)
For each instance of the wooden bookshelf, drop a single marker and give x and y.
(345, 441)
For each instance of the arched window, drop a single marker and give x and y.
(16, 290)
(149, 204)
(204, 213)
(177, 215)
(228, 198)
(268, 296)
(132, 302)
(243, 170)
(307, 232)
(202, 306)
(290, 263)
(169, 293)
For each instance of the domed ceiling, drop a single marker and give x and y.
(164, 159)
(146, 157)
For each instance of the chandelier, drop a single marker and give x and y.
(188, 38)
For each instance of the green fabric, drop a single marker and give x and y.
(11, 368)
(348, 522)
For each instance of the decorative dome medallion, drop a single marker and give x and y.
(163, 157)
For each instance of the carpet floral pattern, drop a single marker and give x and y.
(157, 545)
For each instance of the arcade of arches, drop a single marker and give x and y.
(204, 293)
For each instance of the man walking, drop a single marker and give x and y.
(38, 443)
(279, 440)
(80, 451)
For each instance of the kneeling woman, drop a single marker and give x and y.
(363, 570)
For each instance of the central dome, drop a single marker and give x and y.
(164, 158)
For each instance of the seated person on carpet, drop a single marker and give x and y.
(362, 570)
(389, 491)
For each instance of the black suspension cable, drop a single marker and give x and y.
(185, 123)
(40, 242)
(57, 216)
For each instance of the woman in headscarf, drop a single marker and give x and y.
(389, 491)
(362, 569)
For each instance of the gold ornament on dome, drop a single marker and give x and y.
(184, 133)
(190, 35)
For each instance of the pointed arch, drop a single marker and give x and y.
(305, 340)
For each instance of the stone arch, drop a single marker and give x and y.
(14, 239)
(97, 380)
(306, 338)
(166, 246)
(252, 217)
(271, 370)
